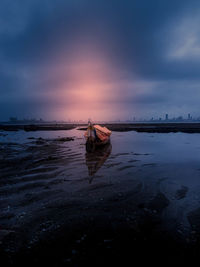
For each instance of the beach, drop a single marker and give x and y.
(135, 199)
(149, 127)
(73, 193)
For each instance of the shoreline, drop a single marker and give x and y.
(118, 127)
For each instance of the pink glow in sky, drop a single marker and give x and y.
(91, 87)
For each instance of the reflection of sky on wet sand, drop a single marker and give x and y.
(127, 147)
(166, 164)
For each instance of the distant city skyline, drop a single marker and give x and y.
(165, 117)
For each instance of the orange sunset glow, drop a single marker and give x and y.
(89, 90)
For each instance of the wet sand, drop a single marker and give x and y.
(54, 213)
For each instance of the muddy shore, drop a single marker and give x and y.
(49, 216)
(36, 127)
(121, 127)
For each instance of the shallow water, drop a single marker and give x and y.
(153, 165)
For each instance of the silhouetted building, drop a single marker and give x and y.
(166, 117)
(180, 118)
(189, 117)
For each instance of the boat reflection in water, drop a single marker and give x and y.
(96, 159)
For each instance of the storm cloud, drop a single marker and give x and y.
(129, 58)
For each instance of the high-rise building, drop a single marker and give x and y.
(189, 117)
(166, 117)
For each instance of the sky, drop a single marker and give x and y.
(99, 59)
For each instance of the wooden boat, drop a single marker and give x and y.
(96, 136)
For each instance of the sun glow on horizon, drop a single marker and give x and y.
(86, 82)
(88, 88)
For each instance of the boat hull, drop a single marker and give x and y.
(96, 136)
(91, 145)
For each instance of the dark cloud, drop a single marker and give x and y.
(151, 41)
